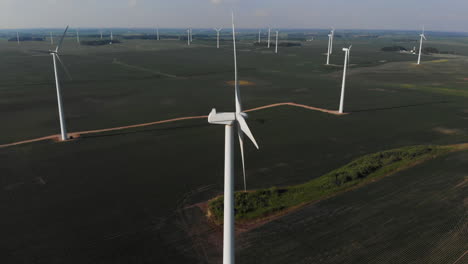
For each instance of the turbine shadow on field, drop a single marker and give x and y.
(398, 107)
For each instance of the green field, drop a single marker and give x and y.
(117, 197)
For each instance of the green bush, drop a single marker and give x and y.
(264, 202)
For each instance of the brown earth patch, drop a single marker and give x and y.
(242, 82)
(463, 183)
(448, 131)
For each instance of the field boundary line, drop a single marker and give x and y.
(96, 131)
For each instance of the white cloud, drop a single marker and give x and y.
(132, 3)
(261, 13)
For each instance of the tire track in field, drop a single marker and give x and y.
(96, 131)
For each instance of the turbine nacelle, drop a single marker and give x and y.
(226, 118)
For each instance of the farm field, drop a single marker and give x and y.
(116, 197)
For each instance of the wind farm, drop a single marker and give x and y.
(361, 159)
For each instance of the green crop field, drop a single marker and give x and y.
(122, 196)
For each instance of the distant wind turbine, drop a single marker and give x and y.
(331, 40)
(191, 35)
(232, 122)
(420, 45)
(78, 35)
(217, 36)
(111, 37)
(345, 67)
(17, 37)
(101, 33)
(157, 33)
(330, 37)
(259, 35)
(51, 39)
(188, 37)
(269, 36)
(276, 46)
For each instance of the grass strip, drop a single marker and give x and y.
(258, 204)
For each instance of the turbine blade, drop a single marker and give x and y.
(241, 145)
(236, 82)
(63, 66)
(245, 128)
(61, 40)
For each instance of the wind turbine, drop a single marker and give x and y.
(217, 36)
(51, 39)
(259, 35)
(191, 35)
(269, 35)
(157, 33)
(111, 37)
(188, 37)
(101, 33)
(276, 46)
(346, 65)
(330, 37)
(17, 37)
(78, 35)
(331, 40)
(231, 121)
(420, 45)
(55, 58)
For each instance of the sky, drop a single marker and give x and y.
(436, 15)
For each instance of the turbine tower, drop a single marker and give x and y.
(276, 46)
(259, 35)
(191, 35)
(231, 121)
(78, 35)
(331, 40)
(55, 58)
(17, 37)
(101, 33)
(330, 37)
(345, 67)
(269, 35)
(420, 45)
(188, 37)
(111, 37)
(51, 39)
(157, 33)
(217, 36)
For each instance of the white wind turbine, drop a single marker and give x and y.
(191, 35)
(78, 35)
(269, 36)
(17, 37)
(55, 58)
(101, 33)
(157, 33)
(51, 39)
(188, 37)
(111, 37)
(276, 46)
(330, 45)
(329, 49)
(231, 121)
(345, 67)
(217, 36)
(259, 35)
(420, 45)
